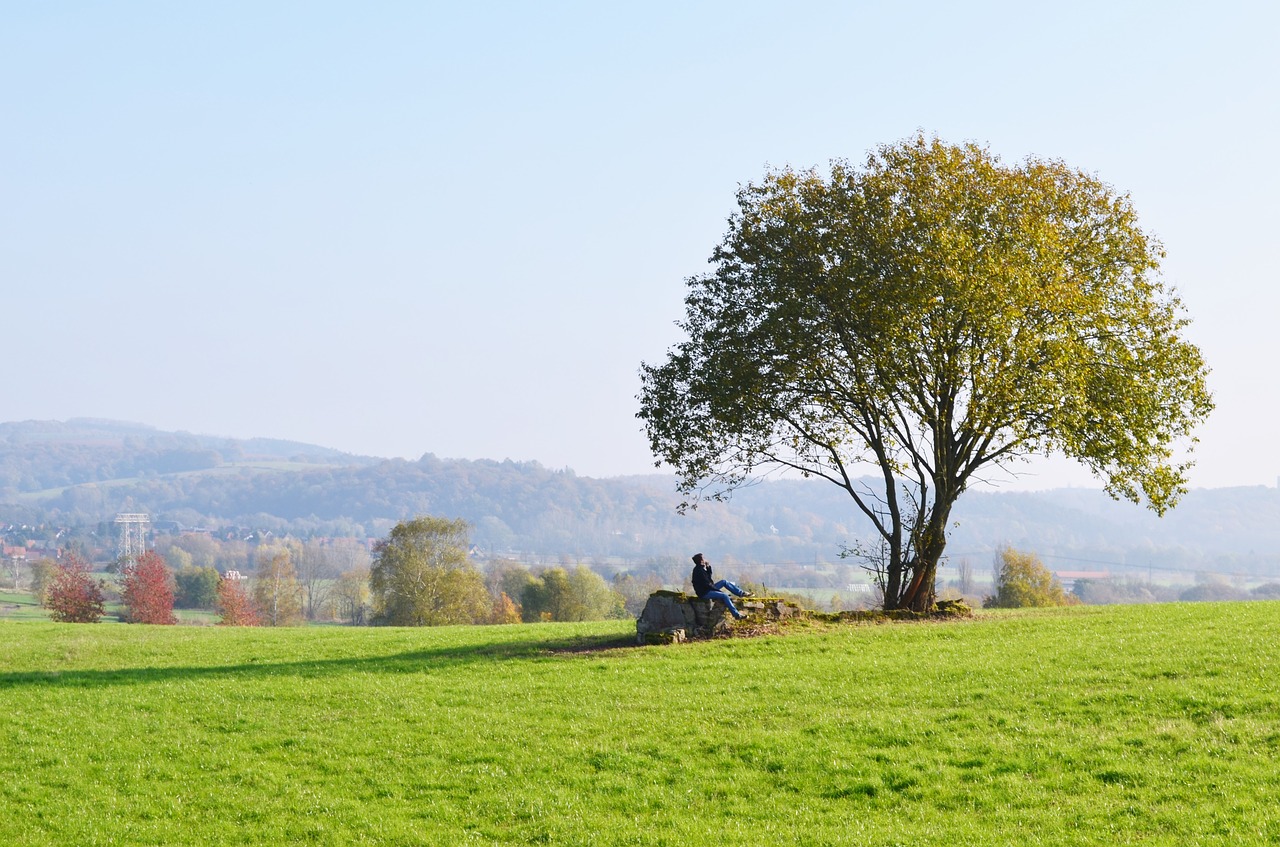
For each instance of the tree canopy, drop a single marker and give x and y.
(931, 315)
(275, 589)
(1022, 581)
(195, 587)
(579, 594)
(72, 595)
(147, 592)
(235, 605)
(421, 576)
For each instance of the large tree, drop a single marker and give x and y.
(421, 576)
(928, 316)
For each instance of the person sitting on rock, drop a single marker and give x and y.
(706, 587)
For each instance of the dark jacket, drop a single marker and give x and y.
(702, 580)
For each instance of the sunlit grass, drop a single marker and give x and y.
(18, 606)
(1151, 724)
(21, 606)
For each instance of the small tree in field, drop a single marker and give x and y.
(41, 577)
(235, 605)
(577, 595)
(350, 596)
(275, 588)
(504, 610)
(148, 592)
(421, 576)
(1022, 582)
(196, 588)
(72, 596)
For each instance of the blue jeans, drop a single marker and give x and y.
(717, 594)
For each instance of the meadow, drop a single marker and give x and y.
(1090, 725)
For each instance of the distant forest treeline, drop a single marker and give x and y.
(83, 472)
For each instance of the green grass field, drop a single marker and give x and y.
(1094, 725)
(20, 606)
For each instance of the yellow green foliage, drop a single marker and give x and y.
(1022, 581)
(421, 576)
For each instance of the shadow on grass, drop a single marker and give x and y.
(416, 661)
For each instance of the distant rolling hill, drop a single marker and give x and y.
(87, 470)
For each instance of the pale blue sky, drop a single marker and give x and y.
(399, 228)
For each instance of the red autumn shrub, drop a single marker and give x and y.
(148, 591)
(72, 596)
(235, 605)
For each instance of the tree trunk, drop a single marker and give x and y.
(920, 594)
(892, 586)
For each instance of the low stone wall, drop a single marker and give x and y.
(673, 616)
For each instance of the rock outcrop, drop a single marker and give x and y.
(672, 616)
